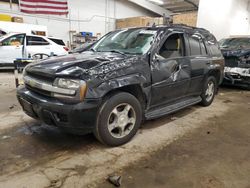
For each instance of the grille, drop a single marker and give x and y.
(38, 91)
(231, 62)
(40, 77)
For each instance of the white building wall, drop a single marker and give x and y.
(96, 16)
(224, 17)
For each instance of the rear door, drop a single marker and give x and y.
(199, 59)
(12, 48)
(37, 45)
(170, 70)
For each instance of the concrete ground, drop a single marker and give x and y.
(196, 147)
(216, 155)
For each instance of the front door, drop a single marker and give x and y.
(170, 71)
(11, 48)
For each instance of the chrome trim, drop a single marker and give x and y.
(47, 87)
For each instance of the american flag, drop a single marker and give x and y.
(57, 7)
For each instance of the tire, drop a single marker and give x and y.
(209, 91)
(118, 119)
(40, 56)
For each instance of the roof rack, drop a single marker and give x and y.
(183, 26)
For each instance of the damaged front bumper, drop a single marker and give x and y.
(237, 76)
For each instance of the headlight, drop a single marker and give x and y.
(79, 86)
(67, 83)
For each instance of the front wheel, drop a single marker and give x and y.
(118, 120)
(209, 91)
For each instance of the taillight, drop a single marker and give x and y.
(66, 48)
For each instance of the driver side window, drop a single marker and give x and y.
(173, 47)
(15, 40)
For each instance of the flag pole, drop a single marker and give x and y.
(10, 4)
(19, 5)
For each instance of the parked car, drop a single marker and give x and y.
(13, 46)
(236, 51)
(82, 48)
(127, 76)
(59, 42)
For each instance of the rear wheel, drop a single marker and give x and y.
(209, 91)
(118, 120)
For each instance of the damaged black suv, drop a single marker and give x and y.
(128, 76)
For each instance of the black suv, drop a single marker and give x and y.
(127, 76)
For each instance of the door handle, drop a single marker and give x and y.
(184, 66)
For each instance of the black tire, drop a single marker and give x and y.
(206, 101)
(102, 132)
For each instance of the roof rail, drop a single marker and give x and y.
(183, 26)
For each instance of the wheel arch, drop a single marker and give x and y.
(215, 73)
(135, 84)
(134, 89)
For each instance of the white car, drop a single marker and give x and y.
(14, 46)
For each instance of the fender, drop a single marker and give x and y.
(118, 82)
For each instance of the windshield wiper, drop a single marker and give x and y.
(117, 51)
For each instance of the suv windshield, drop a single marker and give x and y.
(129, 41)
(235, 43)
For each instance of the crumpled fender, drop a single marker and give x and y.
(116, 83)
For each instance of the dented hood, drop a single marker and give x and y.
(73, 64)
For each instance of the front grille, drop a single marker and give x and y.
(40, 77)
(231, 62)
(38, 91)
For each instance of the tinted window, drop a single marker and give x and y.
(15, 40)
(197, 45)
(33, 41)
(203, 48)
(194, 45)
(172, 47)
(214, 48)
(58, 41)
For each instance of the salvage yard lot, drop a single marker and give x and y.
(36, 155)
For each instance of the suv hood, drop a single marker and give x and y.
(234, 52)
(75, 65)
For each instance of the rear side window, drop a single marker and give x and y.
(197, 45)
(214, 49)
(58, 41)
(34, 41)
(203, 48)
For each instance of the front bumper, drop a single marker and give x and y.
(79, 118)
(237, 76)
